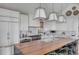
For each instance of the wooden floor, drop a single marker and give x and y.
(40, 47)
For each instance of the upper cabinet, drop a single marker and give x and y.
(24, 22)
(9, 13)
(9, 27)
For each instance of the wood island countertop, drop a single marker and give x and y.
(39, 47)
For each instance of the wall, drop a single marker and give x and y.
(71, 23)
(33, 22)
(49, 25)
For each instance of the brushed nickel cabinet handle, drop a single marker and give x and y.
(8, 35)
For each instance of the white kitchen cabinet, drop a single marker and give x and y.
(4, 33)
(7, 50)
(8, 13)
(4, 39)
(9, 35)
(9, 32)
(24, 22)
(14, 32)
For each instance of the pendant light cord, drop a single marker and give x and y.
(40, 4)
(52, 7)
(61, 9)
(39, 9)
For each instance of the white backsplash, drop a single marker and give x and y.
(49, 37)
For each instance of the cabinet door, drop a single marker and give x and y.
(3, 33)
(14, 32)
(7, 50)
(4, 39)
(24, 22)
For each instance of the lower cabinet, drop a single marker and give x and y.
(7, 50)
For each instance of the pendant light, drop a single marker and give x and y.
(61, 17)
(40, 13)
(53, 15)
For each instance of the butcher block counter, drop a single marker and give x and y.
(39, 47)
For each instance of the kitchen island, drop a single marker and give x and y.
(39, 47)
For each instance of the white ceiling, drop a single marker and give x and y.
(30, 7)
